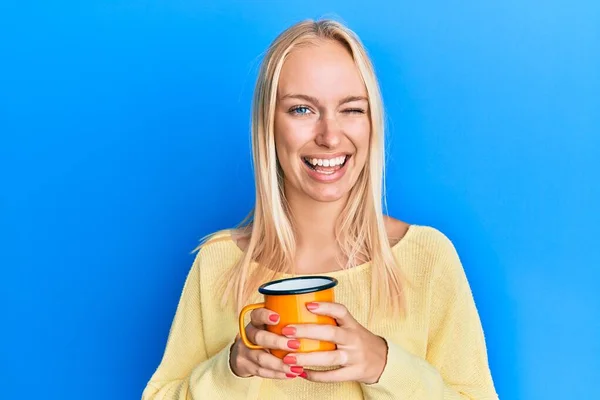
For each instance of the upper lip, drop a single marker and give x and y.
(325, 156)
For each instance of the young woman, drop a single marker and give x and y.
(407, 326)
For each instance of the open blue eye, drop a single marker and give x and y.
(300, 110)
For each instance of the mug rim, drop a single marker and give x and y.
(332, 283)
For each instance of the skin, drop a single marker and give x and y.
(321, 110)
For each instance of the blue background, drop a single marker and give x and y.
(124, 140)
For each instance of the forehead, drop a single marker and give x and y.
(324, 70)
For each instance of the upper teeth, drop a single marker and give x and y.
(332, 162)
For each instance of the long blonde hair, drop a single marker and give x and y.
(360, 230)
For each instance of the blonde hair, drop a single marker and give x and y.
(360, 230)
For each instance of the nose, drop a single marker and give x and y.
(329, 133)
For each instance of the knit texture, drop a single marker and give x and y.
(437, 352)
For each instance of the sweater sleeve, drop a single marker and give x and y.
(186, 372)
(456, 364)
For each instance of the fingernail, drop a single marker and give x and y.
(290, 375)
(297, 369)
(312, 306)
(289, 360)
(288, 331)
(293, 344)
(273, 317)
(303, 375)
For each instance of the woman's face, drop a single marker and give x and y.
(322, 123)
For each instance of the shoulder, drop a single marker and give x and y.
(396, 229)
(431, 241)
(426, 238)
(216, 253)
(426, 250)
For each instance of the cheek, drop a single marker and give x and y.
(290, 137)
(282, 140)
(359, 132)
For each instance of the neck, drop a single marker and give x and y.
(314, 221)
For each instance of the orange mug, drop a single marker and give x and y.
(288, 298)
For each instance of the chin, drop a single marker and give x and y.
(328, 196)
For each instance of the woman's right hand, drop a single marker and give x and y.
(246, 362)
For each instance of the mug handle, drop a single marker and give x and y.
(243, 336)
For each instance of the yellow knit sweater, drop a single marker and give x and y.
(437, 352)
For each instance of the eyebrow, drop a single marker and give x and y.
(314, 100)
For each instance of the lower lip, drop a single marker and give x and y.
(326, 178)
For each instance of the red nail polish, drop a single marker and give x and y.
(288, 331)
(273, 317)
(293, 344)
(290, 375)
(289, 360)
(312, 306)
(303, 375)
(297, 369)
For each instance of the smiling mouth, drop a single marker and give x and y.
(326, 166)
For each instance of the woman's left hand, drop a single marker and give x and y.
(360, 354)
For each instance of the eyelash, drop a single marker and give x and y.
(349, 110)
(355, 110)
(296, 108)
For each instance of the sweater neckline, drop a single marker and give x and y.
(341, 272)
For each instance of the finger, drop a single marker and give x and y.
(329, 333)
(335, 375)
(261, 363)
(322, 358)
(271, 340)
(262, 316)
(334, 310)
(268, 362)
(271, 374)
